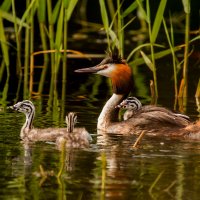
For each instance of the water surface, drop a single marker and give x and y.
(162, 168)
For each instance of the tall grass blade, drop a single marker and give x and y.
(51, 32)
(173, 56)
(105, 20)
(197, 94)
(2, 68)
(158, 55)
(147, 60)
(104, 14)
(120, 30)
(131, 8)
(143, 12)
(114, 38)
(4, 45)
(59, 38)
(70, 9)
(195, 38)
(19, 69)
(111, 8)
(6, 5)
(186, 4)
(26, 14)
(27, 53)
(158, 20)
(5, 92)
(139, 47)
(129, 22)
(56, 11)
(41, 11)
(13, 19)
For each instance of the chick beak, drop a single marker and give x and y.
(12, 107)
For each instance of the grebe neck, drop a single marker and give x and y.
(28, 125)
(109, 112)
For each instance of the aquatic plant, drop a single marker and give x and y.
(52, 19)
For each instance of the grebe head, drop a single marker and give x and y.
(114, 67)
(131, 103)
(25, 107)
(71, 120)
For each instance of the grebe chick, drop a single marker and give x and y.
(74, 137)
(28, 132)
(153, 120)
(132, 106)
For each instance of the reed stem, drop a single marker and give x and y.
(17, 35)
(186, 52)
(120, 29)
(197, 94)
(46, 57)
(51, 33)
(27, 53)
(2, 69)
(171, 44)
(186, 5)
(64, 68)
(137, 142)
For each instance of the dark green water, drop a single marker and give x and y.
(161, 168)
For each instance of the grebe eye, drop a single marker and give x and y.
(105, 66)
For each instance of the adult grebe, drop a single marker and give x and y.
(30, 134)
(155, 120)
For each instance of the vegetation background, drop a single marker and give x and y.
(43, 34)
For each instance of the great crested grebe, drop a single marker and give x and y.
(132, 105)
(30, 134)
(75, 137)
(155, 120)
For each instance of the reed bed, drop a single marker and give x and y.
(52, 19)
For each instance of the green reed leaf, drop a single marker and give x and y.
(196, 38)
(59, 30)
(11, 18)
(158, 55)
(186, 5)
(131, 8)
(6, 5)
(158, 19)
(142, 11)
(70, 9)
(42, 5)
(147, 61)
(66, 3)
(114, 38)
(141, 46)
(104, 14)
(3, 41)
(56, 11)
(27, 13)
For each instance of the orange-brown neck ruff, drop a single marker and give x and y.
(122, 82)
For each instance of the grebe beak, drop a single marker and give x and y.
(94, 69)
(13, 107)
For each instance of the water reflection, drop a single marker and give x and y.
(109, 169)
